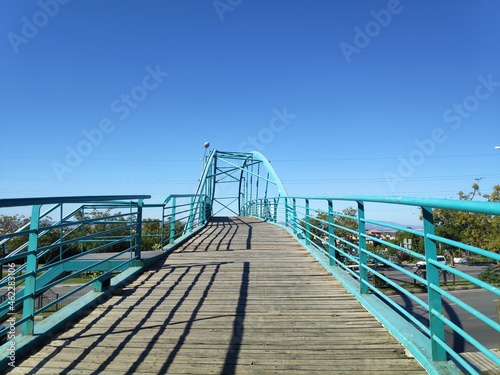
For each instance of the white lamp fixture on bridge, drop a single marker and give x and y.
(203, 160)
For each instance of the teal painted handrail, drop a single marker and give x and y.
(28, 280)
(20, 202)
(338, 240)
(341, 253)
(184, 214)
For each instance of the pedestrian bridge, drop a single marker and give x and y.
(286, 284)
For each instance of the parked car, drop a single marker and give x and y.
(423, 264)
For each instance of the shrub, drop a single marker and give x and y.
(491, 275)
(403, 257)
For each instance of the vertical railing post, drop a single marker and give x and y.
(1, 265)
(138, 240)
(203, 211)
(363, 258)
(30, 281)
(331, 235)
(294, 215)
(162, 226)
(83, 229)
(275, 210)
(172, 221)
(271, 210)
(251, 187)
(435, 302)
(191, 216)
(61, 231)
(197, 211)
(132, 238)
(308, 224)
(286, 212)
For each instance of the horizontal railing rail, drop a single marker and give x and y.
(91, 242)
(89, 233)
(182, 215)
(340, 236)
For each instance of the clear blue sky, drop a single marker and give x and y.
(344, 97)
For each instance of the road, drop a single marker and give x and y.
(481, 300)
(401, 278)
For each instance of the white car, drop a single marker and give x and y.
(423, 264)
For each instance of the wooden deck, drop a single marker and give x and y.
(241, 297)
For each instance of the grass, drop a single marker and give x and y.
(422, 289)
(78, 280)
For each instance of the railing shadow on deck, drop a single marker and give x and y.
(88, 234)
(218, 226)
(173, 281)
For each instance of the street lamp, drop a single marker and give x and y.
(206, 145)
(497, 147)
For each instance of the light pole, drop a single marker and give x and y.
(203, 160)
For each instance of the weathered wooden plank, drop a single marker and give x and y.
(242, 297)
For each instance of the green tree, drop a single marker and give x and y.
(348, 221)
(319, 227)
(494, 225)
(9, 224)
(100, 221)
(151, 235)
(478, 230)
(416, 241)
(178, 228)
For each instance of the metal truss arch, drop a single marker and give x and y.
(231, 179)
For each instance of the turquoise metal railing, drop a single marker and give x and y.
(102, 235)
(105, 234)
(48, 252)
(183, 214)
(230, 179)
(340, 241)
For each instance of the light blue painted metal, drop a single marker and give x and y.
(332, 256)
(138, 228)
(30, 281)
(308, 223)
(431, 349)
(113, 199)
(260, 192)
(172, 221)
(109, 228)
(247, 171)
(295, 227)
(185, 213)
(33, 278)
(362, 250)
(435, 302)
